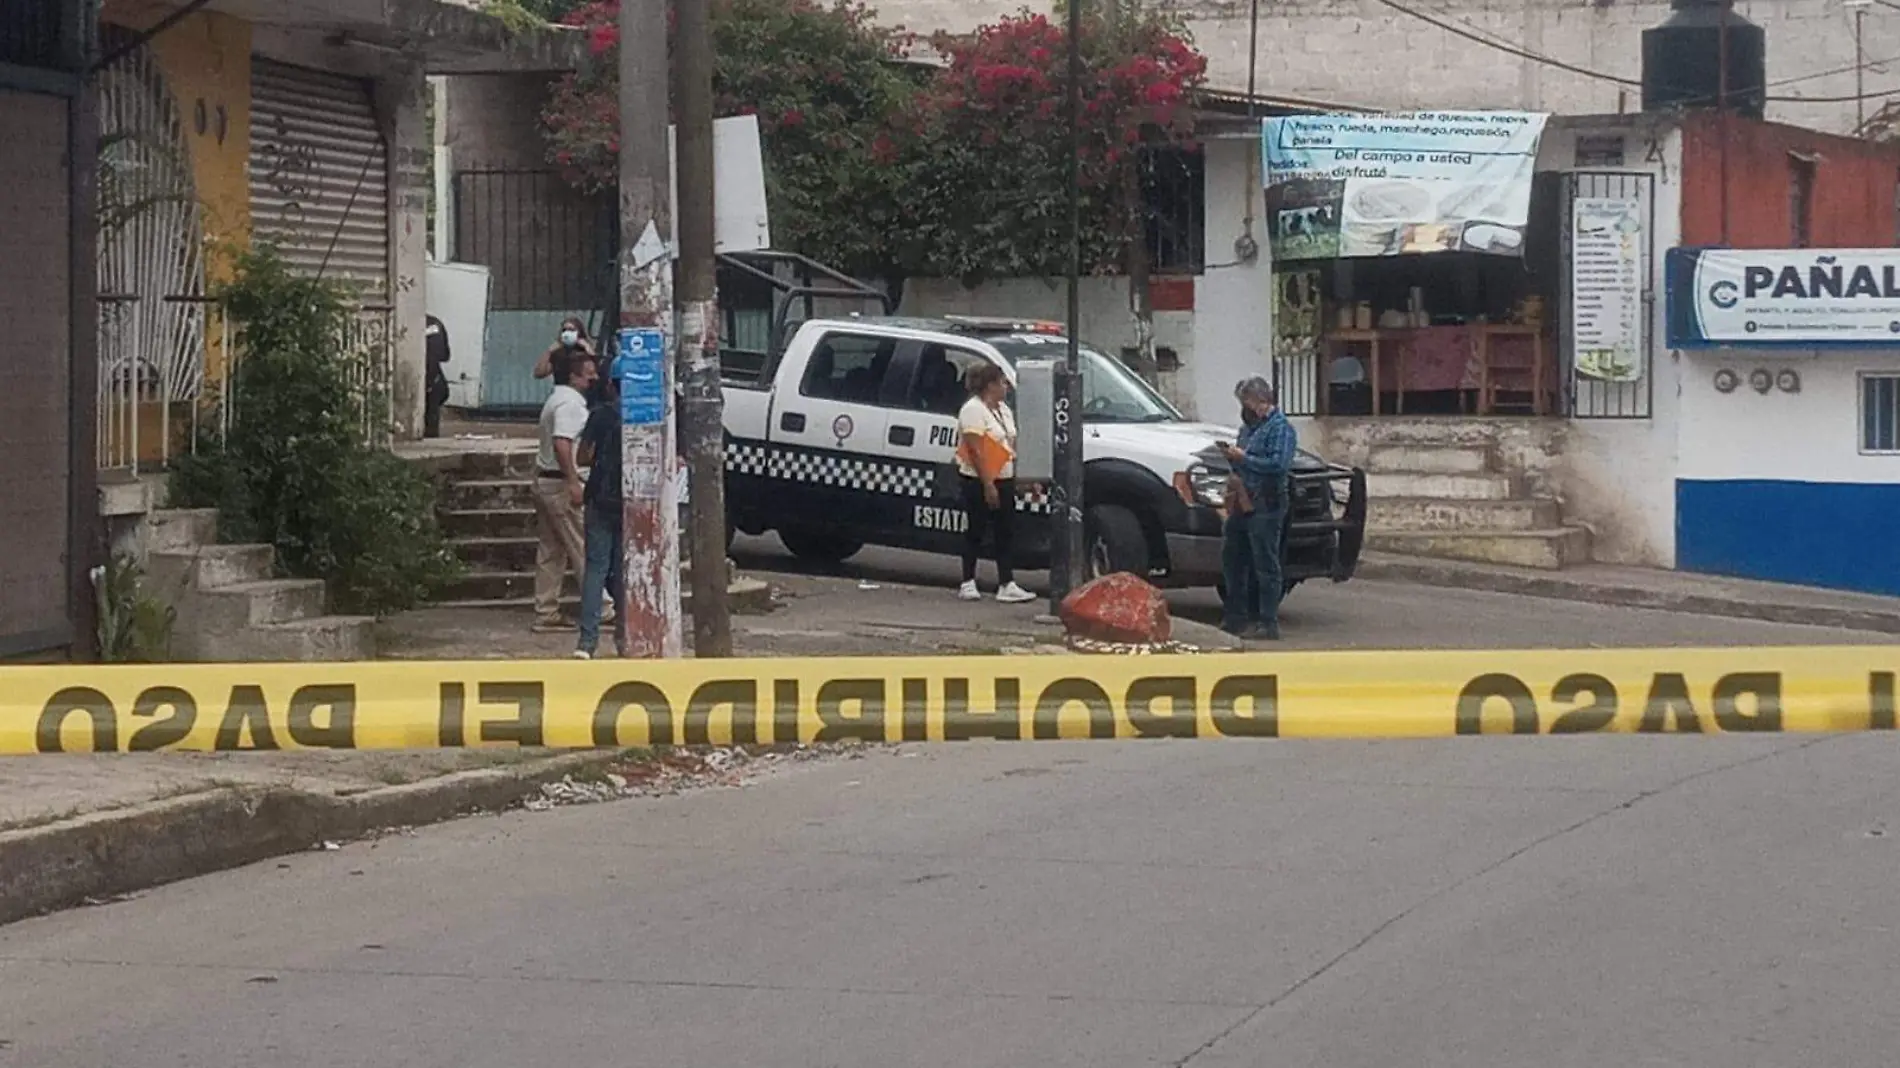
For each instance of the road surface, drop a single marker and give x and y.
(1551, 902)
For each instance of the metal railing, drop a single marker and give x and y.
(132, 389)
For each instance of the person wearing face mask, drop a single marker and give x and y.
(573, 343)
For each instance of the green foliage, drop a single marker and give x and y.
(133, 626)
(887, 170)
(821, 80)
(295, 469)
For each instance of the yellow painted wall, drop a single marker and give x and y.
(206, 61)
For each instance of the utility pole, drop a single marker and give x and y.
(649, 621)
(1068, 548)
(702, 411)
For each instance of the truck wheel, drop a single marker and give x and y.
(1116, 542)
(818, 547)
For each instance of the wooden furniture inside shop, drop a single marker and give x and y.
(1496, 368)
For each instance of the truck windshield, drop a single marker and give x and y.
(1111, 393)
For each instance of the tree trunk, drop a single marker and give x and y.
(1138, 268)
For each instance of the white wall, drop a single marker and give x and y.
(1233, 324)
(1107, 323)
(1618, 475)
(1364, 53)
(1810, 436)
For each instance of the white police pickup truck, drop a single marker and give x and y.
(845, 435)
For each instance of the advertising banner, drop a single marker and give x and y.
(1347, 186)
(1783, 298)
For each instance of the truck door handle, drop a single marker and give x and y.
(903, 435)
(792, 422)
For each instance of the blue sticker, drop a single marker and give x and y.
(641, 372)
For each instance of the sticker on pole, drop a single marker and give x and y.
(641, 371)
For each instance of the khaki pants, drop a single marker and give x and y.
(558, 525)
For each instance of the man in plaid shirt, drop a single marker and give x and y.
(1251, 556)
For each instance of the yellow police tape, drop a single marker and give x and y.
(429, 705)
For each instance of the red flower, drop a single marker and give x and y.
(792, 118)
(1162, 93)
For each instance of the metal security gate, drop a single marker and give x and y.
(1609, 398)
(151, 271)
(550, 251)
(319, 175)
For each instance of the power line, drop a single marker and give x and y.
(1458, 29)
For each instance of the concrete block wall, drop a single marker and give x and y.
(1321, 49)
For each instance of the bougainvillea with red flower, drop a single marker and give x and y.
(989, 140)
(886, 170)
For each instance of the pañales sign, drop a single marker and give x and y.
(1803, 298)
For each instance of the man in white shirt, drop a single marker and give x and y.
(558, 486)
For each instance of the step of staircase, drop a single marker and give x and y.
(175, 529)
(510, 494)
(209, 566)
(1548, 550)
(512, 464)
(489, 523)
(254, 604)
(1453, 516)
(1429, 459)
(232, 608)
(498, 554)
(1457, 487)
(323, 638)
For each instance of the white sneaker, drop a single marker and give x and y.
(1014, 594)
(582, 654)
(968, 592)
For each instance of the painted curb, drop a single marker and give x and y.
(103, 854)
(1554, 587)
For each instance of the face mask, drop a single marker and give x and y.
(569, 337)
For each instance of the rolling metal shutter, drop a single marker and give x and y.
(319, 174)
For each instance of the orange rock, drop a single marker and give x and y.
(1117, 608)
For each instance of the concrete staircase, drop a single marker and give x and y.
(487, 510)
(1463, 490)
(231, 606)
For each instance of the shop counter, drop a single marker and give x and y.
(1481, 360)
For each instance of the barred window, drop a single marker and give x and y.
(1880, 413)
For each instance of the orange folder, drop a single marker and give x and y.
(988, 457)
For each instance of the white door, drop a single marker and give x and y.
(458, 295)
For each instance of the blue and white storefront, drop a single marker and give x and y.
(1788, 444)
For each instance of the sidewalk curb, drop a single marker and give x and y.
(121, 851)
(1556, 587)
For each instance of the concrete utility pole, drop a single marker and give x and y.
(649, 621)
(1068, 563)
(702, 411)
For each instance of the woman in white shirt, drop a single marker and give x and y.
(986, 426)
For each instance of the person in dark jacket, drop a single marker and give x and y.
(1265, 466)
(436, 347)
(601, 520)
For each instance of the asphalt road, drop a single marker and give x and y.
(1550, 902)
(1374, 615)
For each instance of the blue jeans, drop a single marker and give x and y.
(1250, 565)
(602, 523)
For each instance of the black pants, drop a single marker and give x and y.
(433, 400)
(983, 520)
